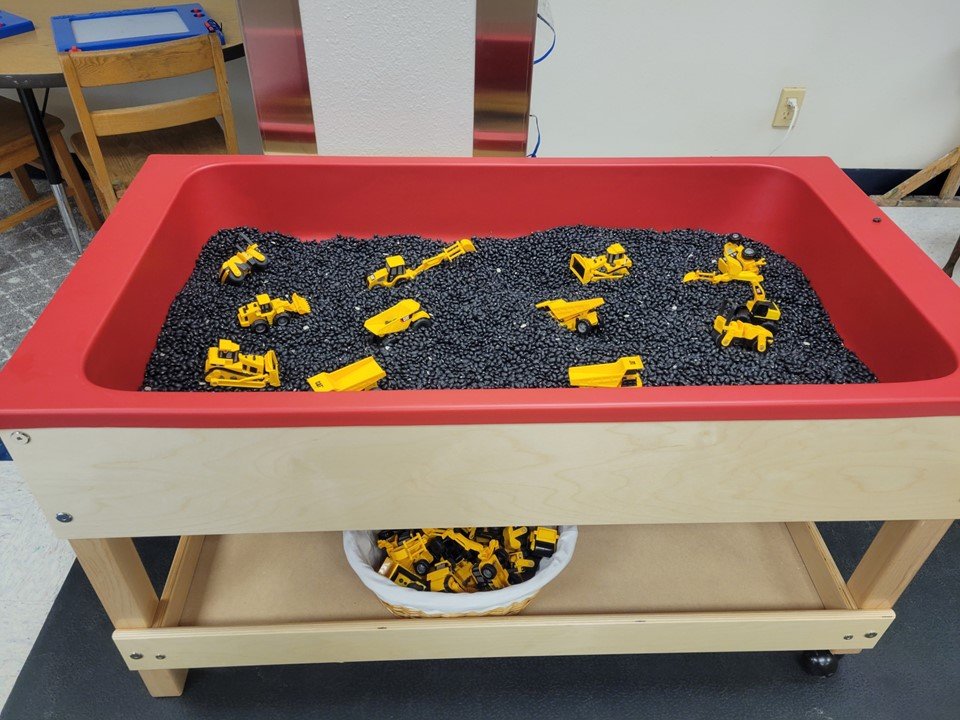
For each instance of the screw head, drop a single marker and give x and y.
(848, 637)
(870, 635)
(877, 219)
(160, 657)
(20, 437)
(136, 656)
(64, 517)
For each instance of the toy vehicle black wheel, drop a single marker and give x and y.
(769, 325)
(583, 327)
(819, 663)
(742, 314)
(421, 567)
(260, 327)
(281, 320)
(422, 322)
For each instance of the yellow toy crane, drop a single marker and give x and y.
(355, 377)
(239, 265)
(613, 265)
(226, 366)
(736, 263)
(579, 316)
(730, 331)
(265, 311)
(624, 372)
(396, 268)
(399, 317)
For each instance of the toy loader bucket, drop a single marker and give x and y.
(582, 267)
(299, 304)
(466, 245)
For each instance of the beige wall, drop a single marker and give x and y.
(701, 77)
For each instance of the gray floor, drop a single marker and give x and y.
(34, 259)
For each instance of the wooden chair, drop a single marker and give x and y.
(17, 149)
(115, 143)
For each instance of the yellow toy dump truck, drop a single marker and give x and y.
(396, 268)
(238, 266)
(361, 375)
(736, 263)
(227, 367)
(266, 311)
(613, 265)
(731, 331)
(399, 317)
(579, 316)
(624, 372)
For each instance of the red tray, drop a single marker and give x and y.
(82, 362)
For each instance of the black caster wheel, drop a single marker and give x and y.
(819, 663)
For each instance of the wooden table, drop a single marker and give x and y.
(29, 60)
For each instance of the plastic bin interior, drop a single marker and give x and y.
(82, 363)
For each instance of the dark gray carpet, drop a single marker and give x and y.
(75, 672)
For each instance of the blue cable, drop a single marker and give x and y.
(553, 42)
(536, 145)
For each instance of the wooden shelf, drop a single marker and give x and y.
(304, 577)
(291, 598)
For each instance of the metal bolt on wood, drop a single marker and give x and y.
(64, 517)
(136, 656)
(848, 637)
(20, 437)
(160, 657)
(870, 635)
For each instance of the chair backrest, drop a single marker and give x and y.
(140, 64)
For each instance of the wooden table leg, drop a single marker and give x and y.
(893, 558)
(116, 572)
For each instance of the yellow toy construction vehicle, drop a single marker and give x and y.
(404, 314)
(731, 331)
(238, 266)
(361, 375)
(624, 372)
(579, 316)
(396, 268)
(613, 265)
(266, 311)
(227, 367)
(736, 263)
(759, 310)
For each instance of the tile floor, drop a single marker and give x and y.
(34, 259)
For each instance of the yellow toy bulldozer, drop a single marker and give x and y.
(613, 265)
(361, 375)
(399, 317)
(731, 331)
(396, 268)
(227, 367)
(624, 372)
(579, 316)
(238, 266)
(736, 263)
(265, 311)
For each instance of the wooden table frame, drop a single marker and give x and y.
(742, 571)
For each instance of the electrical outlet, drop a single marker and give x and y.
(784, 113)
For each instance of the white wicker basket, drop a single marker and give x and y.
(362, 553)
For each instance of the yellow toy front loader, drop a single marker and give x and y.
(615, 264)
(361, 375)
(396, 267)
(579, 316)
(624, 372)
(731, 331)
(265, 311)
(238, 266)
(227, 367)
(736, 263)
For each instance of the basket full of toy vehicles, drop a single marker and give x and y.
(459, 572)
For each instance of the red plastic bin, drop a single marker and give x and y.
(82, 363)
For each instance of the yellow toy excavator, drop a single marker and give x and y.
(624, 372)
(736, 263)
(579, 316)
(266, 311)
(239, 265)
(399, 317)
(759, 310)
(396, 268)
(361, 375)
(613, 265)
(227, 367)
